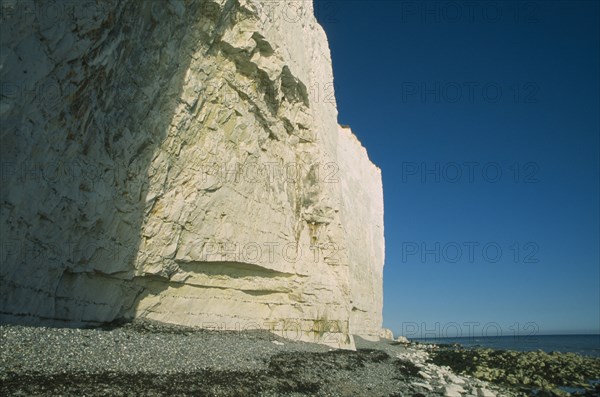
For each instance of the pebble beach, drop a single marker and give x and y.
(153, 359)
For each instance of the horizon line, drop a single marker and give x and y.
(506, 336)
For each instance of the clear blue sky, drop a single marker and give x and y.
(446, 95)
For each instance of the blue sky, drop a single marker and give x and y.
(483, 117)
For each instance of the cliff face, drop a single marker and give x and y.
(181, 161)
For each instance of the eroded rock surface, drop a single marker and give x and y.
(181, 161)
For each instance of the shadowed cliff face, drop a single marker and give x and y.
(90, 96)
(179, 161)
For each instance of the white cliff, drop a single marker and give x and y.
(181, 161)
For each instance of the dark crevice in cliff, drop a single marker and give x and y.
(231, 269)
(293, 89)
(226, 17)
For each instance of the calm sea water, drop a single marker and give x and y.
(588, 345)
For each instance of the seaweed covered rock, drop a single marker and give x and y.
(527, 371)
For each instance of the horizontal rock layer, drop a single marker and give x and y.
(181, 161)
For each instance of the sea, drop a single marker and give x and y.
(588, 345)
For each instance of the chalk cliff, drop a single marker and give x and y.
(181, 161)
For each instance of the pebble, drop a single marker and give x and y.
(483, 392)
(423, 385)
(451, 392)
(456, 388)
(424, 375)
(455, 379)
